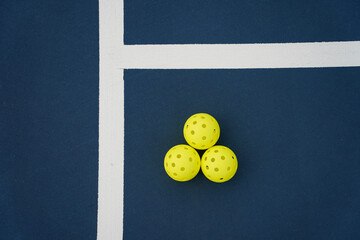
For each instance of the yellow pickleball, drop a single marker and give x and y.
(182, 163)
(201, 131)
(219, 164)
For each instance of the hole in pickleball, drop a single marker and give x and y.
(207, 167)
(193, 143)
(205, 158)
(195, 122)
(187, 126)
(182, 169)
(170, 156)
(192, 132)
(190, 159)
(167, 164)
(173, 164)
(221, 179)
(228, 168)
(204, 125)
(222, 157)
(213, 159)
(204, 138)
(185, 148)
(216, 169)
(232, 157)
(202, 117)
(178, 156)
(216, 151)
(214, 130)
(175, 174)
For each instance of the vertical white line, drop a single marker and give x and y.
(111, 122)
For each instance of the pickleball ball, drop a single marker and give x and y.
(182, 163)
(219, 164)
(201, 131)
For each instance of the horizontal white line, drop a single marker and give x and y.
(226, 56)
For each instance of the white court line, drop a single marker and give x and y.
(235, 56)
(111, 123)
(115, 56)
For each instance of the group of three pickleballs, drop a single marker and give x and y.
(218, 163)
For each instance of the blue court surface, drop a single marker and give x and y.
(49, 88)
(246, 21)
(295, 131)
(296, 135)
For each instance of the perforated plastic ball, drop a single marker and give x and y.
(201, 131)
(182, 163)
(219, 164)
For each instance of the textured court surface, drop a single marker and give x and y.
(49, 96)
(233, 21)
(295, 131)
